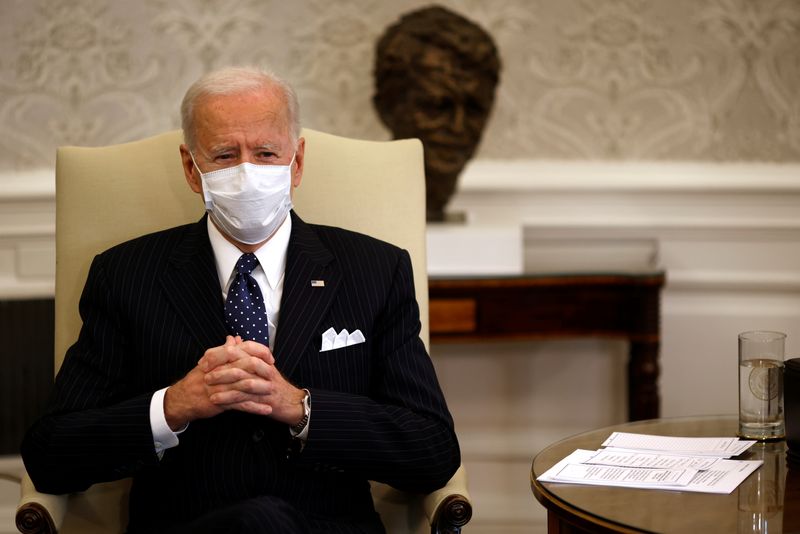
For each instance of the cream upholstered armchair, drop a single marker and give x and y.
(110, 194)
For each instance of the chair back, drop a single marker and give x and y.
(106, 195)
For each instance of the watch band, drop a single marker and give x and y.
(306, 413)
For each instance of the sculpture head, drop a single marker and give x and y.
(435, 78)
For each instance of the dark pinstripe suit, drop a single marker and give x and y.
(151, 307)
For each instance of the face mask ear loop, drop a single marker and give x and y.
(206, 197)
(196, 166)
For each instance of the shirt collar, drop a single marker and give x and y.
(271, 255)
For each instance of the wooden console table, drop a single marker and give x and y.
(559, 306)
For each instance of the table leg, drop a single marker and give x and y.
(559, 525)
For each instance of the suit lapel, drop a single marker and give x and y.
(192, 285)
(304, 305)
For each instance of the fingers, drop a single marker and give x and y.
(217, 356)
(231, 385)
(252, 397)
(240, 375)
(244, 392)
(258, 350)
(254, 407)
(251, 406)
(239, 370)
(248, 385)
(233, 350)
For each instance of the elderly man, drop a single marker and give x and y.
(200, 371)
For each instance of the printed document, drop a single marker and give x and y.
(669, 463)
(722, 447)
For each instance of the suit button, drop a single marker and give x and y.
(258, 435)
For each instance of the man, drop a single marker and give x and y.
(435, 77)
(200, 370)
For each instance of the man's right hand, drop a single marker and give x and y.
(189, 398)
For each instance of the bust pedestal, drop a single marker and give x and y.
(466, 248)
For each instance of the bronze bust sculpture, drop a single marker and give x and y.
(435, 77)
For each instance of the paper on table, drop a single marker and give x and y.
(628, 476)
(723, 478)
(722, 447)
(650, 460)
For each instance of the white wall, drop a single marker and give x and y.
(607, 79)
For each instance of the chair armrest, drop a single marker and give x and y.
(448, 509)
(445, 510)
(37, 512)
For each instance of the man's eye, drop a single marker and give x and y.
(476, 106)
(224, 157)
(432, 103)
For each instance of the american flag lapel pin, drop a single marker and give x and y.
(318, 283)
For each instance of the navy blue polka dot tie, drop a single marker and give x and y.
(245, 313)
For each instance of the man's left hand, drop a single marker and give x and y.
(250, 384)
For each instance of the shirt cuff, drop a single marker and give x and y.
(163, 436)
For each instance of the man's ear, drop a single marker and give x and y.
(189, 170)
(299, 162)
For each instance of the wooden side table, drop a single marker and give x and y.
(614, 305)
(767, 501)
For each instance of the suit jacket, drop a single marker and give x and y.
(153, 305)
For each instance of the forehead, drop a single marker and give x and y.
(256, 117)
(438, 70)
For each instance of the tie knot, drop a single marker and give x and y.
(247, 262)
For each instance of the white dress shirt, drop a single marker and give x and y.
(269, 276)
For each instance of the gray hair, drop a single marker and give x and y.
(231, 81)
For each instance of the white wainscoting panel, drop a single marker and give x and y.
(11, 470)
(27, 234)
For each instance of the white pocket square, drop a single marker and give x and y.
(331, 340)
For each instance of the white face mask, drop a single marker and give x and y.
(248, 202)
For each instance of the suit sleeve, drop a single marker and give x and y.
(402, 433)
(95, 428)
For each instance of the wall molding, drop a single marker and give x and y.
(36, 184)
(497, 176)
(487, 175)
(562, 208)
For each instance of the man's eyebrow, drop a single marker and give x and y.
(222, 148)
(217, 149)
(272, 147)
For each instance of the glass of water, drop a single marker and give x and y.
(761, 385)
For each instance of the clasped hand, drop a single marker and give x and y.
(239, 375)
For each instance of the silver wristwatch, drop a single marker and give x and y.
(299, 427)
